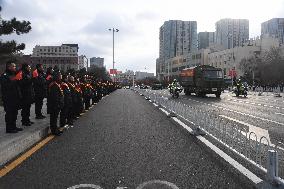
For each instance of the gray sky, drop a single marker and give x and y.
(86, 22)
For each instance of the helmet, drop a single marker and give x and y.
(175, 80)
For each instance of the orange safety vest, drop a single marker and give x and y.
(19, 76)
(35, 73)
(48, 77)
(64, 86)
(55, 83)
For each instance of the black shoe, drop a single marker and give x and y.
(57, 134)
(18, 129)
(31, 122)
(11, 131)
(26, 124)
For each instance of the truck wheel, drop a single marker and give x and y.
(187, 92)
(218, 95)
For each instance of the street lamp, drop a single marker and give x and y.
(113, 30)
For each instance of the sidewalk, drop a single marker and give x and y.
(11, 145)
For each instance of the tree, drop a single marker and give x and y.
(249, 66)
(272, 68)
(99, 73)
(267, 69)
(9, 49)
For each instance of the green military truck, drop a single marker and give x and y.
(202, 80)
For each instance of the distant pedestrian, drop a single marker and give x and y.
(11, 97)
(26, 86)
(56, 102)
(39, 81)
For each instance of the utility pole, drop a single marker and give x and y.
(113, 30)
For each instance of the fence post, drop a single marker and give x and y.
(272, 170)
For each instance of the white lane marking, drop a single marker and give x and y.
(85, 186)
(277, 107)
(163, 110)
(278, 113)
(150, 184)
(271, 106)
(222, 154)
(264, 105)
(257, 130)
(155, 104)
(252, 103)
(259, 104)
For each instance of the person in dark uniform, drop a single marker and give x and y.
(72, 112)
(39, 82)
(64, 114)
(11, 97)
(56, 102)
(26, 87)
(79, 99)
(49, 72)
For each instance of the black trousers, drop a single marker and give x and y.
(66, 116)
(25, 113)
(87, 102)
(10, 119)
(53, 121)
(38, 106)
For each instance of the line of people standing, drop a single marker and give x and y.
(67, 96)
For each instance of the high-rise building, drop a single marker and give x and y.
(97, 61)
(83, 62)
(65, 57)
(274, 28)
(142, 75)
(231, 33)
(177, 38)
(205, 39)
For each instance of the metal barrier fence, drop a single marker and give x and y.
(234, 135)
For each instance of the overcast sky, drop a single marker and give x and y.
(86, 22)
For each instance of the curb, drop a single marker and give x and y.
(13, 149)
(18, 146)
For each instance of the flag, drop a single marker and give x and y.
(113, 71)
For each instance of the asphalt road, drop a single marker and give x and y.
(122, 142)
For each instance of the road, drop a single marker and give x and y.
(122, 142)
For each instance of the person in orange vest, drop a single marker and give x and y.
(56, 102)
(39, 82)
(11, 97)
(49, 72)
(71, 114)
(26, 87)
(79, 99)
(64, 114)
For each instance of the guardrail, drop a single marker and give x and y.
(234, 135)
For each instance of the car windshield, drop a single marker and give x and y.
(213, 74)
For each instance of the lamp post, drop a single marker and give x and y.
(113, 31)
